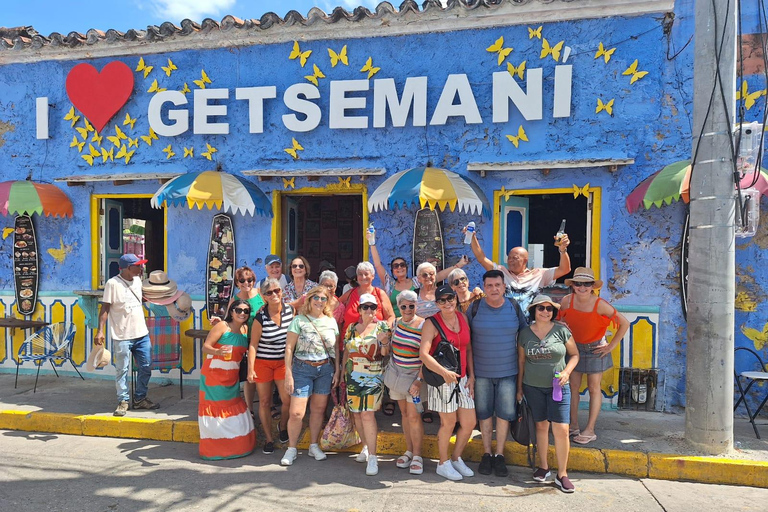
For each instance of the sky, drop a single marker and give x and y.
(66, 16)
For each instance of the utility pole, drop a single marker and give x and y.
(711, 262)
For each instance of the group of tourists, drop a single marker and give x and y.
(512, 344)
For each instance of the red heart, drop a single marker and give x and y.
(99, 96)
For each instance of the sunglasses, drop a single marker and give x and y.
(445, 300)
(584, 285)
(249, 280)
(539, 307)
(407, 306)
(242, 311)
(299, 265)
(427, 274)
(369, 307)
(276, 291)
(321, 299)
(399, 265)
(457, 282)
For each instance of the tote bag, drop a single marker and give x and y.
(524, 429)
(339, 432)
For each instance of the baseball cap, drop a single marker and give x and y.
(272, 258)
(127, 260)
(444, 290)
(368, 298)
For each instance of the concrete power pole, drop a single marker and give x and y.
(711, 262)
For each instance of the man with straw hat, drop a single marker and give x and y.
(122, 305)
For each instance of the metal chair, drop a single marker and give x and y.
(749, 377)
(49, 343)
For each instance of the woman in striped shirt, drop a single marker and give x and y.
(266, 358)
(403, 378)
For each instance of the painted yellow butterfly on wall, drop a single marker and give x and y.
(289, 183)
(169, 152)
(203, 80)
(149, 138)
(117, 137)
(294, 149)
(133, 142)
(338, 57)
(107, 155)
(554, 51)
(169, 68)
(77, 144)
(636, 75)
(748, 97)
(534, 33)
(315, 75)
(143, 67)
(296, 53)
(369, 68)
(521, 135)
(498, 47)
(124, 153)
(602, 52)
(607, 107)
(581, 191)
(129, 120)
(71, 117)
(96, 138)
(155, 88)
(519, 70)
(189, 152)
(210, 151)
(185, 89)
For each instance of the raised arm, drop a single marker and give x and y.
(381, 272)
(565, 261)
(479, 254)
(443, 274)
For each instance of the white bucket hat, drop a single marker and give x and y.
(99, 358)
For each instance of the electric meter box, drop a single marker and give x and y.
(751, 210)
(747, 137)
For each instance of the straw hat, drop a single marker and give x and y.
(584, 275)
(158, 289)
(543, 299)
(99, 358)
(181, 308)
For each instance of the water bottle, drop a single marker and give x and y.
(469, 233)
(371, 234)
(560, 232)
(417, 404)
(557, 390)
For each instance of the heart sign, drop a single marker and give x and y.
(100, 95)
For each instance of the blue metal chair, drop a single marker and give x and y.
(749, 377)
(49, 343)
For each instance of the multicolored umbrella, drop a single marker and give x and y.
(27, 197)
(430, 187)
(213, 189)
(673, 183)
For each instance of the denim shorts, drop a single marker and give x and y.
(308, 379)
(496, 397)
(546, 409)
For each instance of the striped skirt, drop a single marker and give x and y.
(443, 399)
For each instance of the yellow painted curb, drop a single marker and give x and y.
(132, 428)
(620, 462)
(186, 432)
(34, 421)
(711, 470)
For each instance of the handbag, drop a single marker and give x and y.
(339, 432)
(399, 379)
(524, 429)
(446, 356)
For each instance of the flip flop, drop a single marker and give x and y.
(582, 439)
(573, 432)
(427, 417)
(388, 409)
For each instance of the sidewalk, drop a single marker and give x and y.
(639, 444)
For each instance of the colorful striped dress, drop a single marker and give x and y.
(226, 426)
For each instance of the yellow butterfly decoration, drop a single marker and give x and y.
(203, 80)
(607, 107)
(344, 182)
(521, 135)
(83, 132)
(93, 151)
(107, 154)
(124, 153)
(315, 75)
(7, 232)
(155, 88)
(71, 117)
(133, 142)
(369, 68)
(636, 75)
(169, 68)
(289, 183)
(534, 33)
(519, 70)
(211, 150)
(117, 137)
(129, 120)
(583, 191)
(554, 51)
(498, 47)
(189, 152)
(748, 97)
(96, 138)
(88, 126)
(338, 57)
(148, 138)
(185, 89)
(169, 152)
(759, 338)
(77, 144)
(294, 150)
(602, 52)
(296, 53)
(143, 67)
(88, 158)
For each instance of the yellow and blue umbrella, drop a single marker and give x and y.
(213, 189)
(432, 187)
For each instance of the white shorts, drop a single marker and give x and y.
(439, 397)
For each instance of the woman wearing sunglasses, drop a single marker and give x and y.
(266, 358)
(588, 318)
(365, 275)
(226, 427)
(542, 350)
(460, 284)
(311, 369)
(366, 342)
(300, 283)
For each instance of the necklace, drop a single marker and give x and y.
(454, 325)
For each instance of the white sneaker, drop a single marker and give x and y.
(363, 455)
(316, 452)
(289, 457)
(462, 468)
(373, 466)
(447, 470)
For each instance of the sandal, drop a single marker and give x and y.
(389, 410)
(275, 413)
(582, 439)
(404, 460)
(417, 465)
(573, 432)
(427, 417)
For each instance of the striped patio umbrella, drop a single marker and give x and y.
(213, 189)
(28, 197)
(432, 187)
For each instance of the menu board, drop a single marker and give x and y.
(25, 267)
(220, 272)
(427, 240)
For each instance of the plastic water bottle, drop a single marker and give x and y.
(557, 390)
(417, 404)
(372, 234)
(560, 232)
(468, 234)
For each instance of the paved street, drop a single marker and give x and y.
(61, 473)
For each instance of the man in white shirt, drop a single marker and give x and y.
(274, 268)
(128, 328)
(523, 283)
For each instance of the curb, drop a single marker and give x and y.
(709, 470)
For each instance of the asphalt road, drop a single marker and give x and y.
(60, 473)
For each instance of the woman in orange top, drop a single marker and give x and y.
(588, 317)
